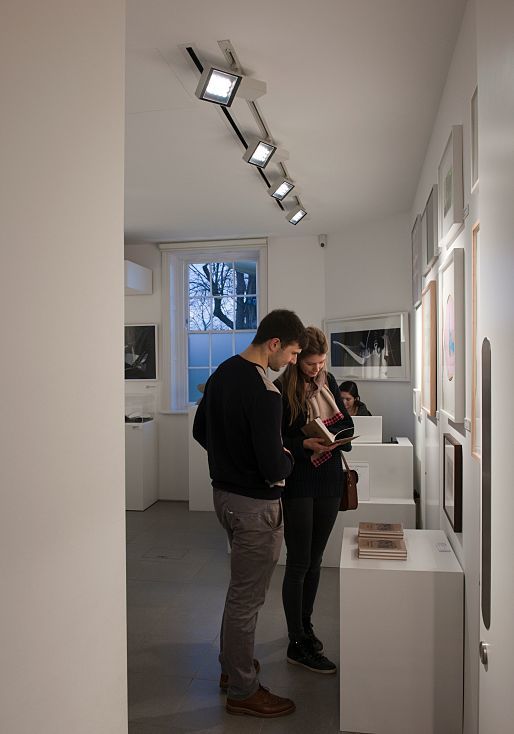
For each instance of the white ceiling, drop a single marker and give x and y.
(352, 92)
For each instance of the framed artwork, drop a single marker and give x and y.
(474, 140)
(451, 195)
(451, 321)
(452, 481)
(140, 352)
(430, 246)
(476, 336)
(369, 347)
(416, 261)
(429, 349)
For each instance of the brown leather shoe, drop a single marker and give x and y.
(224, 676)
(262, 703)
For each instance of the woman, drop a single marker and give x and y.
(312, 493)
(351, 399)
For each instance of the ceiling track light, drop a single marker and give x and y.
(281, 189)
(296, 215)
(218, 86)
(221, 86)
(259, 152)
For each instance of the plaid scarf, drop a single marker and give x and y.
(321, 404)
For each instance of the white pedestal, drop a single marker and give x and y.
(140, 465)
(402, 639)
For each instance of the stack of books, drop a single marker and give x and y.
(382, 540)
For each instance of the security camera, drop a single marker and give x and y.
(322, 239)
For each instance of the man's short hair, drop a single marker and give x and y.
(284, 325)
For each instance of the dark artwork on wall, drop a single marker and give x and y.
(372, 347)
(140, 352)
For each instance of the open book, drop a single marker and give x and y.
(317, 429)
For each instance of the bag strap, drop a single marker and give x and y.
(345, 462)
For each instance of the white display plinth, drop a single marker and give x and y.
(401, 638)
(140, 465)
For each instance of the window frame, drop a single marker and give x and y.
(175, 260)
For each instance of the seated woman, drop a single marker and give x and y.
(351, 399)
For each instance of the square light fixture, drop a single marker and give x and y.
(218, 86)
(281, 189)
(259, 153)
(296, 215)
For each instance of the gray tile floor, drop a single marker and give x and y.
(177, 575)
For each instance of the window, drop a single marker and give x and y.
(215, 296)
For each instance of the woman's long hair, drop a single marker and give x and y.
(292, 381)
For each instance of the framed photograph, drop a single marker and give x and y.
(430, 246)
(429, 349)
(451, 195)
(369, 347)
(476, 337)
(451, 321)
(416, 261)
(452, 481)
(140, 352)
(474, 140)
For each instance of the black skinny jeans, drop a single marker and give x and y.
(308, 522)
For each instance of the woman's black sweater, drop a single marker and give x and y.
(306, 480)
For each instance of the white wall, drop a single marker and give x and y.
(62, 523)
(454, 108)
(368, 272)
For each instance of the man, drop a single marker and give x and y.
(238, 422)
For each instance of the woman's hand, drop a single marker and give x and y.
(316, 445)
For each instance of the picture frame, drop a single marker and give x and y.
(429, 349)
(430, 245)
(476, 338)
(474, 140)
(374, 347)
(141, 352)
(452, 481)
(416, 261)
(450, 188)
(452, 335)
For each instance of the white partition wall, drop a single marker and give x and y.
(62, 520)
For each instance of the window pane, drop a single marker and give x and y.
(246, 313)
(222, 279)
(243, 340)
(246, 277)
(196, 377)
(200, 314)
(221, 348)
(199, 280)
(198, 350)
(223, 313)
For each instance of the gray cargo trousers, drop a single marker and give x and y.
(255, 530)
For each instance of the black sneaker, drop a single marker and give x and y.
(301, 653)
(314, 641)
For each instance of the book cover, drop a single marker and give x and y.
(390, 546)
(380, 530)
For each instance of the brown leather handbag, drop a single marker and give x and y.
(350, 498)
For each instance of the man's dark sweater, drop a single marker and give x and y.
(238, 422)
